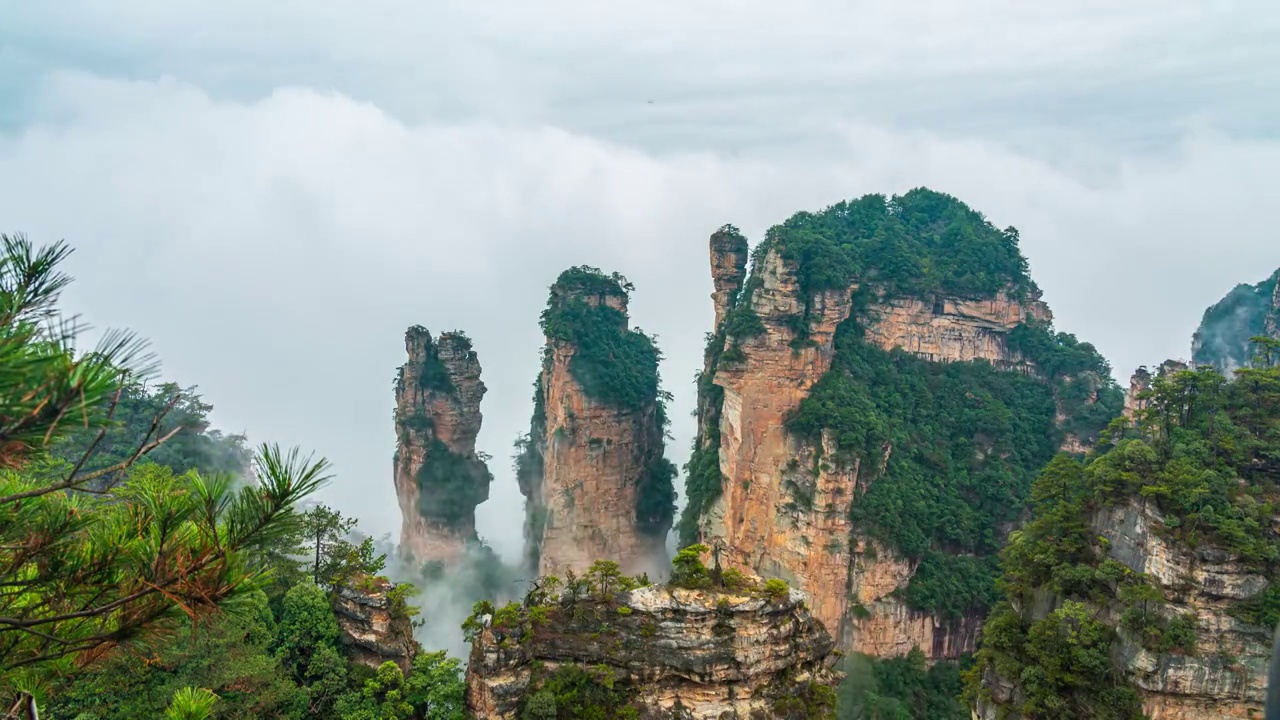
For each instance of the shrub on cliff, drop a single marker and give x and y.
(1207, 453)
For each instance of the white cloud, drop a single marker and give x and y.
(276, 249)
(728, 74)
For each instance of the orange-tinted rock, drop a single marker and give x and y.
(586, 461)
(728, 268)
(438, 476)
(951, 329)
(780, 512)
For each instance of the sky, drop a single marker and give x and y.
(272, 192)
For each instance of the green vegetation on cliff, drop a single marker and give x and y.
(450, 485)
(1207, 452)
(950, 449)
(615, 365)
(904, 688)
(917, 243)
(1223, 338)
(143, 572)
(946, 452)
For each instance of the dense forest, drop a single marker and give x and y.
(1205, 450)
(152, 567)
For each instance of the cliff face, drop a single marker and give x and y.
(777, 517)
(593, 471)
(439, 478)
(868, 372)
(373, 630)
(751, 520)
(1154, 558)
(729, 252)
(1222, 340)
(1226, 677)
(1223, 678)
(667, 653)
(954, 329)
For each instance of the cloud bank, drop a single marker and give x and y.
(273, 192)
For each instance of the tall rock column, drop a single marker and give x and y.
(592, 467)
(728, 268)
(439, 477)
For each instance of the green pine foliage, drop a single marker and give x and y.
(918, 243)
(953, 449)
(615, 365)
(181, 411)
(904, 688)
(450, 485)
(950, 450)
(1206, 452)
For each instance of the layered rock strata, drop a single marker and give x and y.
(688, 654)
(374, 627)
(439, 477)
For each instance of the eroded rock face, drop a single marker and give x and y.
(689, 654)
(373, 631)
(728, 268)
(585, 470)
(1227, 675)
(1273, 320)
(438, 476)
(1141, 381)
(776, 515)
(888, 627)
(952, 329)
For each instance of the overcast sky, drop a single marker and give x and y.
(272, 192)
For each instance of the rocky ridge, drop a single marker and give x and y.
(669, 652)
(439, 477)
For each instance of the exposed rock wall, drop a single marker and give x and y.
(373, 630)
(777, 516)
(888, 627)
(952, 329)
(756, 520)
(1141, 381)
(439, 478)
(586, 466)
(1273, 320)
(1226, 676)
(689, 654)
(728, 268)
